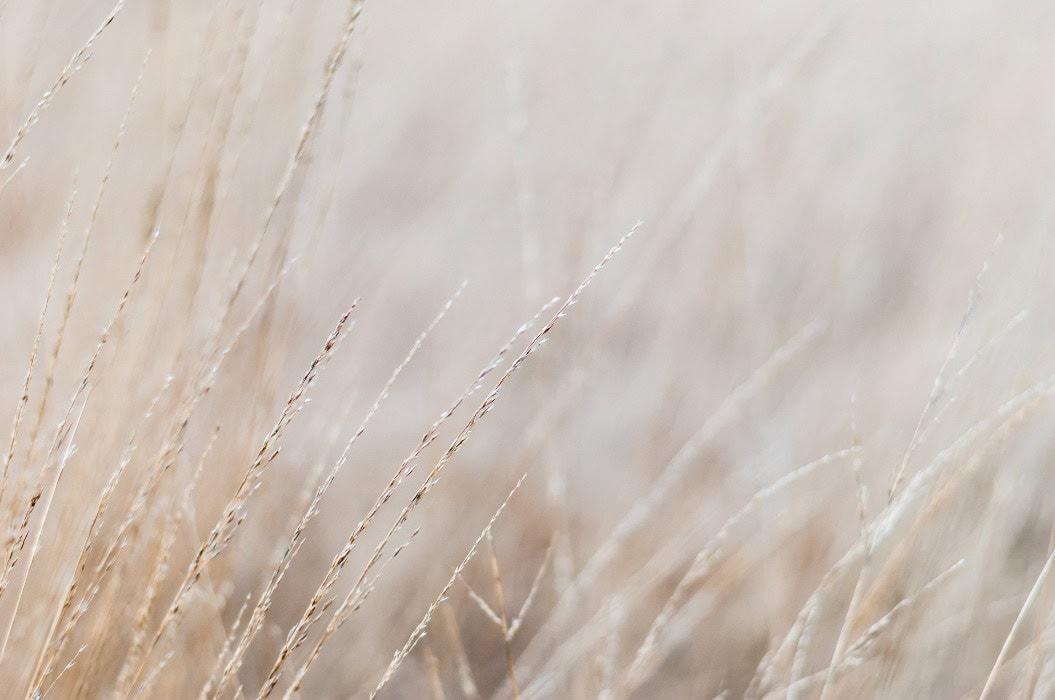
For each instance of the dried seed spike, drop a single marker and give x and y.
(24, 398)
(419, 632)
(79, 58)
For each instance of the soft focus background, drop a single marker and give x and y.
(794, 440)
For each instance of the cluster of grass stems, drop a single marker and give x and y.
(116, 576)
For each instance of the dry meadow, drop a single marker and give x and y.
(527, 350)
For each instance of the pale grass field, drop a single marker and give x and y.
(264, 283)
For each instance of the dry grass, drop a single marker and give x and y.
(292, 416)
